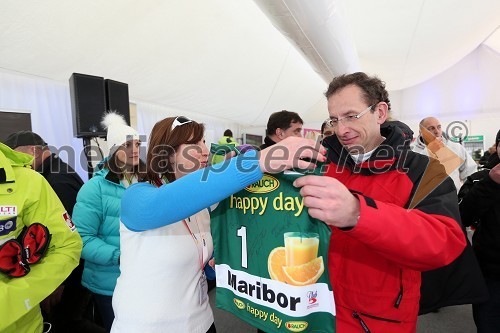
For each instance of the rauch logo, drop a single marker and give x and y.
(239, 304)
(265, 185)
(296, 326)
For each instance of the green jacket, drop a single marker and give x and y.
(25, 198)
(227, 140)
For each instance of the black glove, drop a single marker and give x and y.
(35, 240)
(12, 262)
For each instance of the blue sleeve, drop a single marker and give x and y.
(146, 207)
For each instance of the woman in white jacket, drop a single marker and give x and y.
(165, 226)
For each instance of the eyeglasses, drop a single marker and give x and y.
(333, 122)
(180, 120)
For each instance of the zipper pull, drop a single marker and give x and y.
(398, 299)
(361, 322)
(400, 295)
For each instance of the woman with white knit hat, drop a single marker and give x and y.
(97, 211)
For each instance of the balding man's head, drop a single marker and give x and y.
(430, 128)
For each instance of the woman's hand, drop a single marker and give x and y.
(290, 153)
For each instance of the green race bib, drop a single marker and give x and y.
(271, 259)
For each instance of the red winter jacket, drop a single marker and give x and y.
(403, 229)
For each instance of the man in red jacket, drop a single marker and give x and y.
(393, 213)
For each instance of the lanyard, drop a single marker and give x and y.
(203, 243)
(160, 182)
(129, 180)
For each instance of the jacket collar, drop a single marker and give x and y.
(112, 177)
(10, 158)
(268, 142)
(421, 144)
(383, 158)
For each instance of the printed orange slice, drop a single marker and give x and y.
(305, 274)
(275, 263)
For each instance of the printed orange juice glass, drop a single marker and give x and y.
(300, 247)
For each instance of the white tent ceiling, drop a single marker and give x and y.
(224, 58)
(403, 42)
(407, 42)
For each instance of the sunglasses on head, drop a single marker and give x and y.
(179, 121)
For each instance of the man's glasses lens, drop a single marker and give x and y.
(347, 119)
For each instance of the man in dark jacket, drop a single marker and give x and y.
(480, 206)
(65, 307)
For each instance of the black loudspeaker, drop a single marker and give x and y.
(88, 104)
(117, 98)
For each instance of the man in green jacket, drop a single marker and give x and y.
(26, 199)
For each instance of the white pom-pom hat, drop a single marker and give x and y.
(118, 131)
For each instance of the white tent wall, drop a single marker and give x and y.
(467, 92)
(218, 58)
(224, 63)
(148, 114)
(49, 104)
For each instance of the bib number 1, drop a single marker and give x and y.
(242, 232)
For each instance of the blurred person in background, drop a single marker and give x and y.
(66, 307)
(431, 142)
(39, 244)
(480, 207)
(281, 125)
(97, 212)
